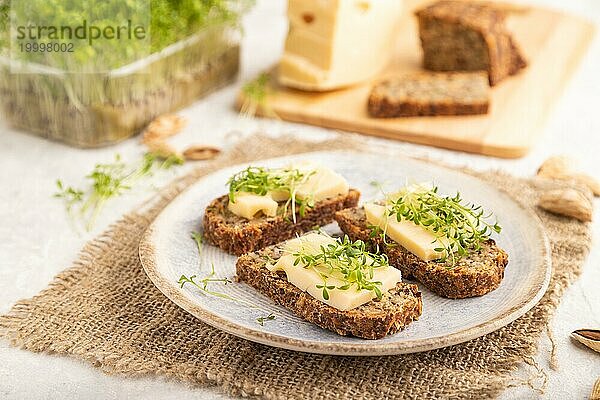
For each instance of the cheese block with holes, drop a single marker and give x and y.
(337, 43)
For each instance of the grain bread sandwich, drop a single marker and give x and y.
(434, 239)
(468, 36)
(334, 283)
(429, 94)
(266, 206)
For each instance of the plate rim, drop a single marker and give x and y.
(147, 255)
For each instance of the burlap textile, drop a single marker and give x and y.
(106, 311)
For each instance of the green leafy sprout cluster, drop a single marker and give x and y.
(261, 181)
(459, 227)
(344, 260)
(202, 284)
(108, 181)
(261, 320)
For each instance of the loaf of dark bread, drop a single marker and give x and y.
(429, 94)
(373, 320)
(468, 36)
(238, 235)
(475, 275)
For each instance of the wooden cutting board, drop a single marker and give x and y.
(553, 43)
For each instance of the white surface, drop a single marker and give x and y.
(37, 241)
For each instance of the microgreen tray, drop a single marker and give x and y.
(101, 108)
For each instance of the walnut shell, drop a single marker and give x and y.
(596, 391)
(588, 337)
(568, 202)
(163, 127)
(563, 168)
(199, 153)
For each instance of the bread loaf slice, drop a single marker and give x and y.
(475, 275)
(237, 235)
(468, 36)
(428, 94)
(373, 320)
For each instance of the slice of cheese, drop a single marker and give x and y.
(337, 43)
(279, 195)
(322, 183)
(248, 205)
(415, 238)
(307, 279)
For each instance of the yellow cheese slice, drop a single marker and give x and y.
(307, 279)
(322, 183)
(412, 237)
(336, 43)
(279, 195)
(248, 205)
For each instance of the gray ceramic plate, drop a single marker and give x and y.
(167, 252)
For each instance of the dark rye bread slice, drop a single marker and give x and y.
(475, 275)
(238, 235)
(468, 36)
(373, 320)
(429, 94)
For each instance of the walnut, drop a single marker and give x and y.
(163, 127)
(198, 153)
(590, 338)
(568, 202)
(563, 168)
(596, 390)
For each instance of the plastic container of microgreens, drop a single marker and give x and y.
(100, 108)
